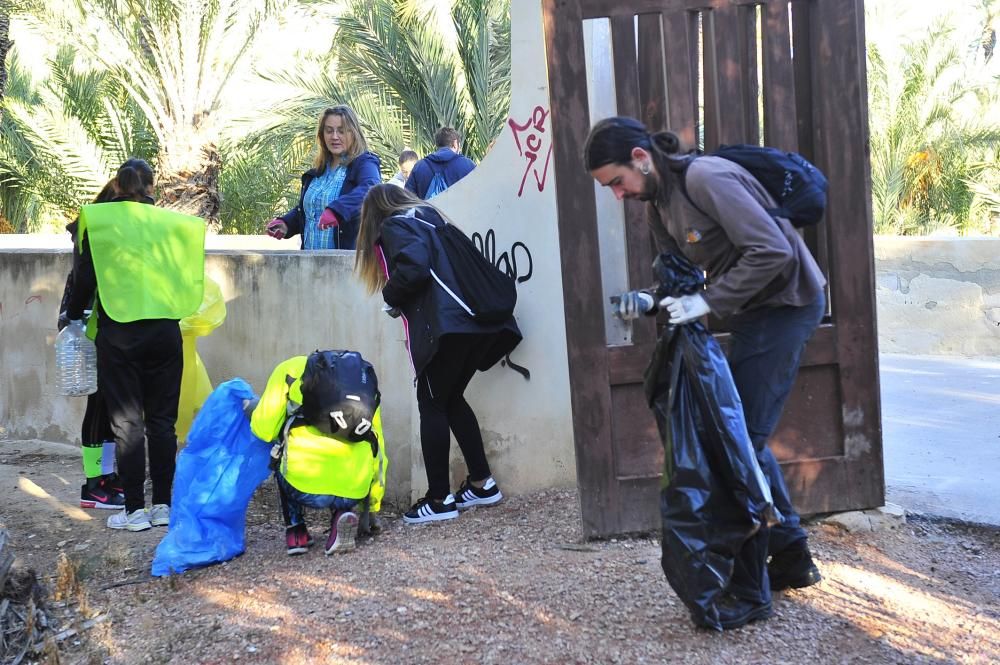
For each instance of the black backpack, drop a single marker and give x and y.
(798, 187)
(340, 395)
(488, 295)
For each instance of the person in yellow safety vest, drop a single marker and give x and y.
(146, 266)
(317, 470)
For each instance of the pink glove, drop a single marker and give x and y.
(277, 228)
(328, 219)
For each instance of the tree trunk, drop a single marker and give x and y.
(189, 183)
(4, 47)
(5, 225)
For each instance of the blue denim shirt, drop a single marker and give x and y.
(322, 191)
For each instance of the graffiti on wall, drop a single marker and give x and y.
(507, 263)
(534, 144)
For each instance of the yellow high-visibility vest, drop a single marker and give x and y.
(149, 262)
(315, 462)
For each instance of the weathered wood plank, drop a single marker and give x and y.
(780, 117)
(601, 8)
(682, 74)
(652, 73)
(590, 393)
(842, 151)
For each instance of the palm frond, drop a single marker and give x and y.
(483, 29)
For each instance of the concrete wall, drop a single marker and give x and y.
(934, 296)
(283, 302)
(938, 296)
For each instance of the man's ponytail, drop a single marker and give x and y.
(667, 142)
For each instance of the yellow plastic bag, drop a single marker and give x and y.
(195, 384)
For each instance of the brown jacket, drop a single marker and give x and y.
(751, 259)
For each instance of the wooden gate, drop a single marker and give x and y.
(788, 74)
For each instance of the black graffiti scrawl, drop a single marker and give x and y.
(507, 263)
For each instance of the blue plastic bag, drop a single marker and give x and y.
(217, 474)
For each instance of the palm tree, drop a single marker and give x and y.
(404, 78)
(4, 48)
(61, 139)
(991, 19)
(175, 60)
(927, 155)
(390, 50)
(5, 225)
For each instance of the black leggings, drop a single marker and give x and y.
(443, 407)
(139, 368)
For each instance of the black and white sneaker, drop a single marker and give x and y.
(468, 495)
(429, 510)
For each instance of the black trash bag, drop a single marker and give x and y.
(714, 498)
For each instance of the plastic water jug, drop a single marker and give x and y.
(76, 361)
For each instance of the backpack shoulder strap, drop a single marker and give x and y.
(293, 413)
(682, 183)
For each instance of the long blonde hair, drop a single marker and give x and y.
(382, 202)
(351, 124)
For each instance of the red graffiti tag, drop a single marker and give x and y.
(534, 144)
(32, 299)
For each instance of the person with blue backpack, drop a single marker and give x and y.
(442, 168)
(740, 228)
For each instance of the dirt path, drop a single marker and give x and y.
(510, 584)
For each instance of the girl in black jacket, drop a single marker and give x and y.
(400, 253)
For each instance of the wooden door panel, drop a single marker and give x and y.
(638, 451)
(670, 56)
(809, 429)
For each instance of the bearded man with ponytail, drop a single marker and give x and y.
(143, 268)
(761, 277)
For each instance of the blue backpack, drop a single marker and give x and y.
(798, 187)
(437, 185)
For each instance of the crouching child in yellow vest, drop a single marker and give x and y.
(322, 413)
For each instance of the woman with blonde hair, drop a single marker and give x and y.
(400, 253)
(343, 171)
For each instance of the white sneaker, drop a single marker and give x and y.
(159, 514)
(137, 520)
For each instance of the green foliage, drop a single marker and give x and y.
(169, 62)
(404, 79)
(154, 78)
(393, 51)
(258, 183)
(62, 139)
(931, 135)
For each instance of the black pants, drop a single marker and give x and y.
(765, 350)
(139, 368)
(443, 407)
(96, 425)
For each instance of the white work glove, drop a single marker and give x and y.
(685, 309)
(632, 305)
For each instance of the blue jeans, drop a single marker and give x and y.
(292, 501)
(764, 354)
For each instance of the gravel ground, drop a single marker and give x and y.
(512, 584)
